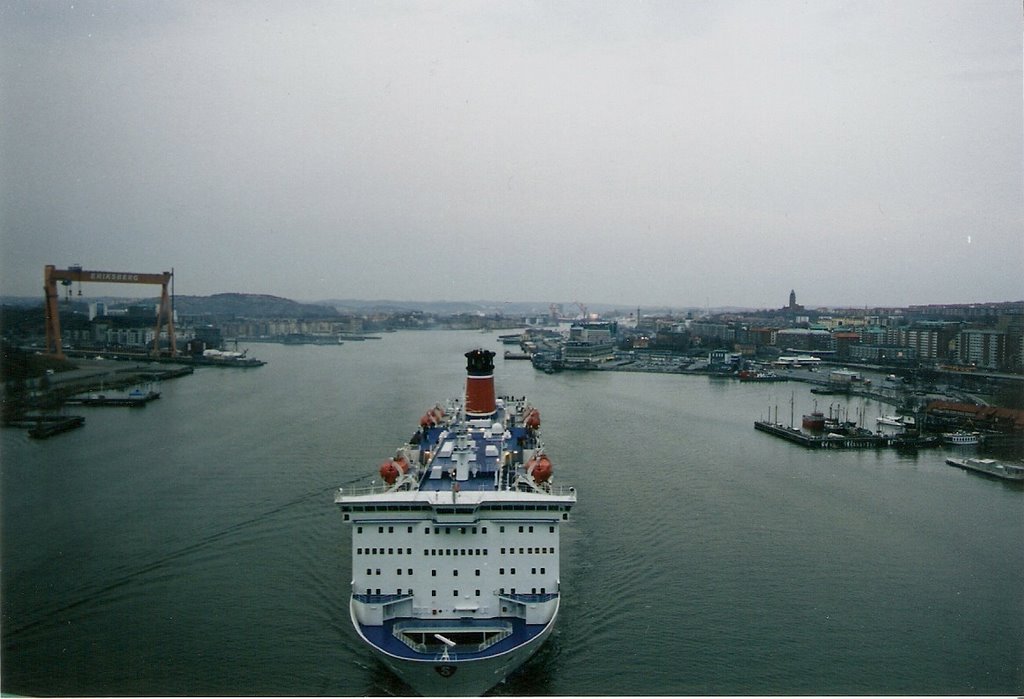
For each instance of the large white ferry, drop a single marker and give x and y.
(455, 575)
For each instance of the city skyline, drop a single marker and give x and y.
(655, 154)
(508, 307)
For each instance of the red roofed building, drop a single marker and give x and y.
(981, 416)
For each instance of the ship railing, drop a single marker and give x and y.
(559, 490)
(372, 489)
(380, 599)
(381, 488)
(491, 636)
(529, 598)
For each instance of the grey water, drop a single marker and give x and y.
(191, 547)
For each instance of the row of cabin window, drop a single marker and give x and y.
(455, 593)
(530, 549)
(373, 551)
(461, 530)
(455, 573)
(454, 552)
(380, 551)
(426, 552)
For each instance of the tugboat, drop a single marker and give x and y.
(815, 422)
(455, 556)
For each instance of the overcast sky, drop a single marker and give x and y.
(671, 153)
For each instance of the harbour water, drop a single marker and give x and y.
(192, 547)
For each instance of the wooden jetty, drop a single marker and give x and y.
(43, 426)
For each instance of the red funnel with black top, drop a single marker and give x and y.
(480, 383)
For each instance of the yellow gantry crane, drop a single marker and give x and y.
(52, 275)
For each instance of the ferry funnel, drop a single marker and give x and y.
(480, 383)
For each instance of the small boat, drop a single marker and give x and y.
(990, 467)
(761, 376)
(890, 420)
(961, 438)
(914, 442)
(830, 390)
(213, 357)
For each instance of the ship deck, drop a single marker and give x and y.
(383, 637)
(487, 449)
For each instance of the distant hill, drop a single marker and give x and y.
(267, 306)
(453, 307)
(438, 307)
(250, 306)
(22, 301)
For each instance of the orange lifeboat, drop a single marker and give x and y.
(389, 471)
(532, 419)
(401, 463)
(427, 420)
(540, 468)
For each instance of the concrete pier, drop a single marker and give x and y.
(840, 441)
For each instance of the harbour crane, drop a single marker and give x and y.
(583, 310)
(52, 275)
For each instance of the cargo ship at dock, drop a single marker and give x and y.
(455, 556)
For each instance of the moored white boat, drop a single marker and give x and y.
(961, 438)
(991, 467)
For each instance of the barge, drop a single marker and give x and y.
(991, 467)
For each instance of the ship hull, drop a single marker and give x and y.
(435, 676)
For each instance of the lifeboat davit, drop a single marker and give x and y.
(540, 468)
(532, 419)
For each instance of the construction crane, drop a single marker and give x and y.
(52, 275)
